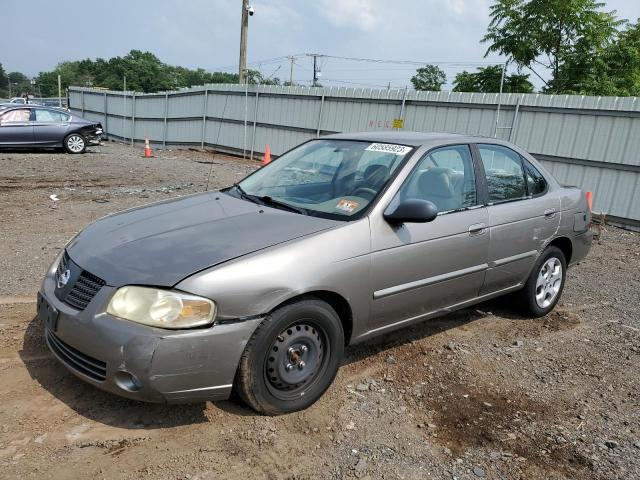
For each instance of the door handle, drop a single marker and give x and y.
(477, 229)
(550, 213)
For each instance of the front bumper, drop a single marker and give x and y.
(94, 139)
(172, 366)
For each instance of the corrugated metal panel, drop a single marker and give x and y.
(569, 133)
(150, 107)
(151, 129)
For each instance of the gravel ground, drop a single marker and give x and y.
(481, 393)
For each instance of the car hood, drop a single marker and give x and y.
(163, 243)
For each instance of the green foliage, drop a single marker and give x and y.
(549, 33)
(487, 80)
(144, 71)
(615, 71)
(20, 84)
(429, 77)
(4, 82)
(254, 77)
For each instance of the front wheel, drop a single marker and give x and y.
(75, 143)
(292, 358)
(545, 283)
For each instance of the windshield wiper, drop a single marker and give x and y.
(245, 195)
(267, 200)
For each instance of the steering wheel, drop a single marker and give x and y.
(370, 191)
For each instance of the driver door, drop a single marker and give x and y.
(15, 127)
(419, 269)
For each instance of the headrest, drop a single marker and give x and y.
(436, 182)
(376, 174)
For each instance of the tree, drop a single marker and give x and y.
(144, 71)
(615, 71)
(429, 77)
(256, 77)
(4, 81)
(548, 34)
(487, 80)
(20, 83)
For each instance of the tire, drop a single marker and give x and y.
(291, 358)
(545, 283)
(75, 143)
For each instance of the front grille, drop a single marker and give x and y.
(83, 363)
(83, 290)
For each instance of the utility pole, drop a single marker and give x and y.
(59, 91)
(244, 30)
(315, 70)
(316, 73)
(291, 59)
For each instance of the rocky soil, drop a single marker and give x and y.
(482, 393)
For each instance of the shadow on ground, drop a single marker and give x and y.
(109, 409)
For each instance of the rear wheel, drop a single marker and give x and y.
(75, 143)
(292, 358)
(545, 283)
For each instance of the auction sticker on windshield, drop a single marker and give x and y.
(388, 148)
(348, 206)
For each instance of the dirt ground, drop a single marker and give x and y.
(482, 393)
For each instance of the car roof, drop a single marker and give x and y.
(22, 106)
(413, 139)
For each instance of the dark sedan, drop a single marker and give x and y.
(31, 126)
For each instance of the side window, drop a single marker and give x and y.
(43, 115)
(445, 177)
(536, 184)
(15, 116)
(503, 169)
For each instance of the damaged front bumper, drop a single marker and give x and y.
(141, 362)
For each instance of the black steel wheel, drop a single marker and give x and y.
(295, 358)
(292, 358)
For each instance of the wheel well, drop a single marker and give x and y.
(564, 244)
(337, 302)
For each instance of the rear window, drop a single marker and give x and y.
(503, 170)
(43, 115)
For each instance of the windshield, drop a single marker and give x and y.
(327, 178)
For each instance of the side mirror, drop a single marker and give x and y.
(412, 210)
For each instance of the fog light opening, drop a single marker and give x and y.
(127, 381)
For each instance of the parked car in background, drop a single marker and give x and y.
(18, 101)
(260, 286)
(33, 126)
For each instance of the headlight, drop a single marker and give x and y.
(161, 308)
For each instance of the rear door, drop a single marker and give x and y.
(523, 215)
(16, 128)
(50, 126)
(420, 268)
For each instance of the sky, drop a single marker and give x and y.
(205, 33)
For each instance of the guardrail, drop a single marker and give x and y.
(592, 142)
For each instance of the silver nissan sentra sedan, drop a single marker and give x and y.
(260, 286)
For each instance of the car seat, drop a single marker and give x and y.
(435, 185)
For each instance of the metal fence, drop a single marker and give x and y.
(592, 142)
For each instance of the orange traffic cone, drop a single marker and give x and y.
(590, 200)
(267, 155)
(147, 149)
